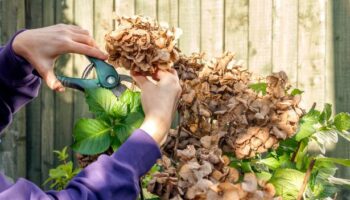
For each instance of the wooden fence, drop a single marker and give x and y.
(309, 39)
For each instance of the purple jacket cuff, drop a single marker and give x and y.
(18, 71)
(132, 154)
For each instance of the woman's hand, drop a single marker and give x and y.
(159, 102)
(41, 47)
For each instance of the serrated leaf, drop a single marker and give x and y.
(342, 121)
(258, 87)
(326, 113)
(134, 120)
(101, 101)
(92, 136)
(287, 182)
(271, 162)
(340, 161)
(132, 99)
(296, 91)
(123, 132)
(306, 125)
(119, 110)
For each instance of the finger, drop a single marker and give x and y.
(84, 39)
(141, 81)
(78, 29)
(52, 82)
(76, 47)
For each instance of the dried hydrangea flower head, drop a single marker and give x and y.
(142, 45)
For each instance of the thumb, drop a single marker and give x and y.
(52, 82)
(141, 81)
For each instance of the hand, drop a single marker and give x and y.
(159, 102)
(41, 47)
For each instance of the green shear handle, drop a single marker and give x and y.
(107, 77)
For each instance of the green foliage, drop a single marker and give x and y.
(259, 87)
(63, 173)
(115, 119)
(296, 91)
(287, 182)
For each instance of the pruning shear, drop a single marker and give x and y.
(107, 77)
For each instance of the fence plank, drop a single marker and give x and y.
(146, 8)
(83, 16)
(125, 7)
(189, 22)
(167, 11)
(13, 143)
(47, 106)
(34, 109)
(311, 51)
(260, 36)
(341, 37)
(212, 27)
(285, 38)
(236, 28)
(64, 101)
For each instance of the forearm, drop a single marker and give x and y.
(110, 177)
(18, 84)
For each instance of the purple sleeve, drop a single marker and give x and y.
(18, 84)
(110, 177)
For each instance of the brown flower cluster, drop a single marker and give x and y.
(217, 98)
(142, 45)
(200, 171)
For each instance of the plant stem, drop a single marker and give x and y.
(296, 152)
(306, 179)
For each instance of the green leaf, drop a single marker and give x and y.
(340, 161)
(271, 162)
(258, 87)
(101, 101)
(62, 155)
(119, 110)
(296, 91)
(132, 99)
(134, 120)
(340, 181)
(342, 121)
(326, 113)
(265, 176)
(122, 133)
(306, 125)
(115, 143)
(287, 182)
(92, 136)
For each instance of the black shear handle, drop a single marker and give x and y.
(77, 83)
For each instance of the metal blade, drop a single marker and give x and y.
(118, 91)
(125, 78)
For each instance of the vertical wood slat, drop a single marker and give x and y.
(167, 11)
(341, 39)
(260, 37)
(64, 101)
(212, 24)
(125, 7)
(34, 109)
(47, 106)
(311, 51)
(84, 17)
(189, 22)
(13, 141)
(103, 22)
(146, 8)
(285, 38)
(236, 28)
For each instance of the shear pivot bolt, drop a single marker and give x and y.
(111, 79)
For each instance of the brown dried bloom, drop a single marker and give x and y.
(141, 44)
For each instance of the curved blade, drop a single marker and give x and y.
(118, 91)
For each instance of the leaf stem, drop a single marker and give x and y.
(306, 179)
